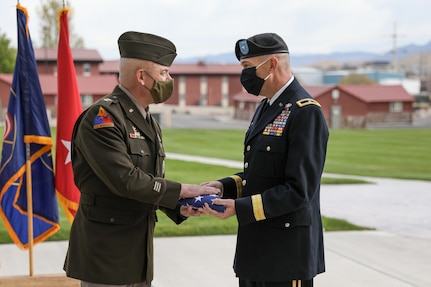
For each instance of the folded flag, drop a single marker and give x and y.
(199, 201)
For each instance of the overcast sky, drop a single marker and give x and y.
(209, 27)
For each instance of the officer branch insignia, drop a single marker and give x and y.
(102, 120)
(276, 128)
(136, 134)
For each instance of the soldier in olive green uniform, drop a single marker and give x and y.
(118, 162)
(276, 198)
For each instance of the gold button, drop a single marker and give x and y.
(244, 182)
(287, 224)
(246, 165)
(268, 148)
(248, 148)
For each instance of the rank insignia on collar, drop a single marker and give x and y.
(276, 128)
(136, 134)
(102, 120)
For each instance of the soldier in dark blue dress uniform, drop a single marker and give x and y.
(276, 198)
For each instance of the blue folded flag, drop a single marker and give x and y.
(198, 201)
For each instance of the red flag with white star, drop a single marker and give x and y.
(68, 110)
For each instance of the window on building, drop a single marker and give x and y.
(86, 100)
(396, 107)
(182, 88)
(86, 67)
(204, 91)
(225, 91)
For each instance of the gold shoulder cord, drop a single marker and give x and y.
(306, 102)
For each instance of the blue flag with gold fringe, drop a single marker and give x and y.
(26, 123)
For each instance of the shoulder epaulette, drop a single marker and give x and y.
(109, 99)
(306, 102)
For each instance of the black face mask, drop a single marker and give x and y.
(250, 81)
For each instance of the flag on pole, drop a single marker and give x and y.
(27, 123)
(68, 110)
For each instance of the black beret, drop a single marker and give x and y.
(147, 47)
(260, 44)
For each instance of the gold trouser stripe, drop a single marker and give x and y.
(296, 283)
(238, 182)
(257, 203)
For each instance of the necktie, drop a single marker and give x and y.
(265, 107)
(148, 118)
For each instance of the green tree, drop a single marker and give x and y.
(49, 25)
(7, 55)
(356, 79)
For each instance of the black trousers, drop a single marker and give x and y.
(293, 283)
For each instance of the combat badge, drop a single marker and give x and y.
(102, 120)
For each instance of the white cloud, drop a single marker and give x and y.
(211, 27)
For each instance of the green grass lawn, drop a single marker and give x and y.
(393, 153)
(398, 153)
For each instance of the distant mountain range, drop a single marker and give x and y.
(300, 60)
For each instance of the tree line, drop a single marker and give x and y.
(49, 28)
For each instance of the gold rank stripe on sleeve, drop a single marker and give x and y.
(256, 201)
(238, 183)
(296, 283)
(306, 102)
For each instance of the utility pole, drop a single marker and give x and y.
(394, 49)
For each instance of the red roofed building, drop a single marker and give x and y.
(92, 85)
(366, 106)
(219, 86)
(197, 84)
(348, 106)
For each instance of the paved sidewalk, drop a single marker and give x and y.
(353, 259)
(397, 254)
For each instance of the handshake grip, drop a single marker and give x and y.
(199, 201)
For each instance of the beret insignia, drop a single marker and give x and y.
(243, 46)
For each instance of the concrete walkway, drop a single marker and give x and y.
(353, 259)
(397, 254)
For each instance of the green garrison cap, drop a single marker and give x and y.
(147, 47)
(260, 44)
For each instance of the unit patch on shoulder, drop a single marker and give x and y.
(102, 120)
(306, 102)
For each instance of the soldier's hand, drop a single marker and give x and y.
(192, 190)
(190, 211)
(214, 183)
(229, 211)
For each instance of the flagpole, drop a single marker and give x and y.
(29, 208)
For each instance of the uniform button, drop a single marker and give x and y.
(111, 219)
(287, 224)
(248, 148)
(268, 148)
(244, 182)
(142, 151)
(246, 165)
